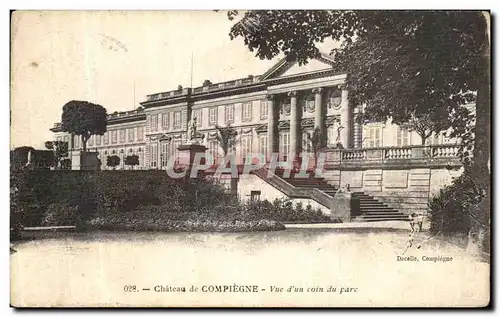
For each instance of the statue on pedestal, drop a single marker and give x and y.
(193, 135)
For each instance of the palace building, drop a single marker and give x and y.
(273, 112)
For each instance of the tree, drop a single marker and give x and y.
(425, 127)
(85, 119)
(132, 160)
(60, 150)
(399, 64)
(113, 161)
(226, 137)
(19, 156)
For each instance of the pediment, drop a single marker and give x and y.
(289, 69)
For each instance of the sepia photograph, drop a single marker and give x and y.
(250, 158)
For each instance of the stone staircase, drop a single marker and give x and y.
(310, 182)
(367, 207)
(371, 209)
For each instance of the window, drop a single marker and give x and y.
(213, 147)
(263, 109)
(122, 136)
(197, 114)
(98, 140)
(306, 142)
(130, 133)
(175, 150)
(229, 114)
(66, 139)
(331, 135)
(164, 121)
(154, 122)
(373, 137)
(113, 136)
(434, 139)
(212, 116)
(177, 120)
(284, 145)
(91, 140)
(246, 148)
(403, 136)
(106, 137)
(153, 155)
(164, 155)
(140, 133)
(247, 111)
(184, 119)
(263, 145)
(255, 195)
(77, 141)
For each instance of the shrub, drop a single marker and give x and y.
(460, 208)
(283, 210)
(103, 192)
(61, 214)
(136, 221)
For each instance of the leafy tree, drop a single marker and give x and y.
(85, 119)
(399, 65)
(226, 137)
(113, 161)
(60, 150)
(19, 156)
(132, 160)
(425, 127)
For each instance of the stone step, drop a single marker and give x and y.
(357, 219)
(376, 209)
(382, 213)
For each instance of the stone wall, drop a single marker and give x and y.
(249, 183)
(404, 181)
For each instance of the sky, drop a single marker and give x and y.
(100, 56)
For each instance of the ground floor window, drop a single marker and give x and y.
(255, 195)
(284, 145)
(373, 136)
(153, 155)
(263, 139)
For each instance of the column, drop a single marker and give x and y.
(319, 119)
(294, 126)
(345, 120)
(272, 127)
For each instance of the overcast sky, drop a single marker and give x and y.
(59, 56)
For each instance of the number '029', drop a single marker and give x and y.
(130, 288)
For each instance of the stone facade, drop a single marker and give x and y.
(273, 112)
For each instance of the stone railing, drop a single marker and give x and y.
(393, 155)
(125, 114)
(292, 191)
(167, 94)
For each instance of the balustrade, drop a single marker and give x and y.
(392, 154)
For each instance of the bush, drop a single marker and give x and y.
(61, 214)
(100, 193)
(460, 207)
(283, 210)
(167, 222)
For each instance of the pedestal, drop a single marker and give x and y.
(85, 161)
(187, 153)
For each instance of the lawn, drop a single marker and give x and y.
(95, 269)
